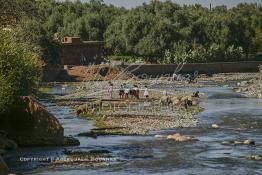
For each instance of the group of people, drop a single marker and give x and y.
(125, 91)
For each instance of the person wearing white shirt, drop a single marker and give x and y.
(146, 93)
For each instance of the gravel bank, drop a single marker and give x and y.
(135, 117)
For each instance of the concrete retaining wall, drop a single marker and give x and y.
(207, 68)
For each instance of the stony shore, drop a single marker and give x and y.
(251, 88)
(141, 122)
(143, 116)
(225, 77)
(131, 117)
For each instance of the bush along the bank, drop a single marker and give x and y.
(19, 71)
(215, 53)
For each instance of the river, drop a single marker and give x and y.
(240, 118)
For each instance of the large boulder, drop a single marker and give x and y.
(30, 124)
(177, 137)
(180, 138)
(7, 144)
(3, 167)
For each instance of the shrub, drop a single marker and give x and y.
(233, 53)
(19, 71)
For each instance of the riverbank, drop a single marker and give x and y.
(251, 87)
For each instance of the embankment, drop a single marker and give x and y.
(206, 68)
(106, 72)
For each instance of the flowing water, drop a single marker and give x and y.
(240, 119)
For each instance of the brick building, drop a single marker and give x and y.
(78, 52)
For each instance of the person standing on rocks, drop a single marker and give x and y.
(110, 89)
(121, 92)
(146, 93)
(126, 92)
(136, 90)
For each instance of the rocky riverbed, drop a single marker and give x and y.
(132, 116)
(140, 123)
(138, 117)
(251, 88)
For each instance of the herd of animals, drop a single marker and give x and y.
(178, 100)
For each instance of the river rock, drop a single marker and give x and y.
(256, 157)
(215, 126)
(88, 134)
(259, 95)
(239, 90)
(245, 89)
(254, 80)
(243, 83)
(160, 136)
(237, 142)
(249, 142)
(228, 142)
(232, 142)
(71, 141)
(30, 124)
(180, 138)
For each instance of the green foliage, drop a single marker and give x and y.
(150, 30)
(168, 59)
(190, 33)
(18, 70)
(257, 40)
(234, 53)
(181, 52)
(215, 53)
(31, 34)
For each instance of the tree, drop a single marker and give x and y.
(19, 72)
(145, 31)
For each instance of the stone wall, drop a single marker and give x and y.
(29, 124)
(207, 68)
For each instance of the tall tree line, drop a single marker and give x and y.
(162, 32)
